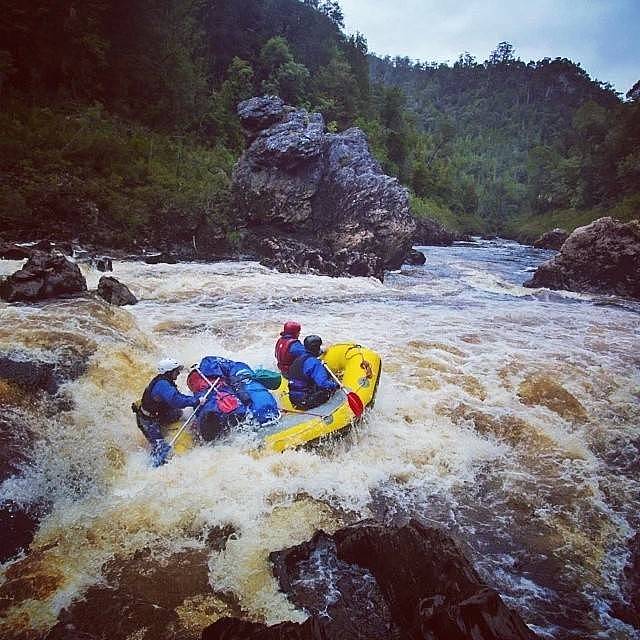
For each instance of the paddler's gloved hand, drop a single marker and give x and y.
(160, 452)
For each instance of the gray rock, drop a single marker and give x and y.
(415, 257)
(45, 275)
(602, 257)
(9, 251)
(103, 264)
(392, 582)
(299, 184)
(553, 239)
(431, 233)
(114, 292)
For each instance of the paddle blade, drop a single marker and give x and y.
(355, 403)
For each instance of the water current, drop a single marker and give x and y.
(506, 415)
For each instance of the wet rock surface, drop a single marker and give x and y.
(629, 610)
(372, 581)
(415, 257)
(114, 292)
(44, 276)
(431, 233)
(553, 239)
(602, 257)
(10, 251)
(293, 256)
(18, 524)
(324, 191)
(147, 598)
(24, 380)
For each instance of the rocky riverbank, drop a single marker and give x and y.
(602, 257)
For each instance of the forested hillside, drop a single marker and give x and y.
(519, 140)
(118, 116)
(119, 124)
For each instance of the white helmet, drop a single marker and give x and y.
(168, 364)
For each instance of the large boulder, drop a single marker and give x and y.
(323, 190)
(602, 257)
(431, 233)
(382, 583)
(44, 275)
(114, 292)
(553, 239)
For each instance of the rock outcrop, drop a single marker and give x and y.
(114, 292)
(321, 190)
(415, 258)
(45, 275)
(431, 233)
(553, 239)
(602, 257)
(382, 583)
(25, 379)
(9, 251)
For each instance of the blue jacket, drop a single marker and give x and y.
(309, 375)
(163, 391)
(163, 402)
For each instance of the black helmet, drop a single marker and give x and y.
(312, 344)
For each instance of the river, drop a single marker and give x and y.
(508, 416)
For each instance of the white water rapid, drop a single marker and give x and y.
(508, 416)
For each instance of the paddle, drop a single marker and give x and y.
(355, 404)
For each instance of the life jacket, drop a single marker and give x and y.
(149, 405)
(283, 357)
(298, 380)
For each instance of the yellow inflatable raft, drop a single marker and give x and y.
(359, 370)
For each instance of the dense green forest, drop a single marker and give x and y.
(521, 146)
(119, 125)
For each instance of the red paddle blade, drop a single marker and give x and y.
(355, 404)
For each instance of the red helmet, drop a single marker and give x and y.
(292, 329)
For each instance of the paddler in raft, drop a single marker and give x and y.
(239, 395)
(288, 347)
(309, 383)
(161, 405)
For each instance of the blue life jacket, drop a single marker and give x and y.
(307, 375)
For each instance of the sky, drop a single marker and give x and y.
(602, 35)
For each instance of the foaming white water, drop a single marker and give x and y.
(502, 414)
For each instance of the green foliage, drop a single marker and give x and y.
(96, 176)
(460, 222)
(132, 107)
(529, 228)
(519, 138)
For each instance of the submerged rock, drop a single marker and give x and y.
(45, 275)
(553, 239)
(299, 184)
(114, 292)
(377, 582)
(602, 257)
(103, 263)
(146, 597)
